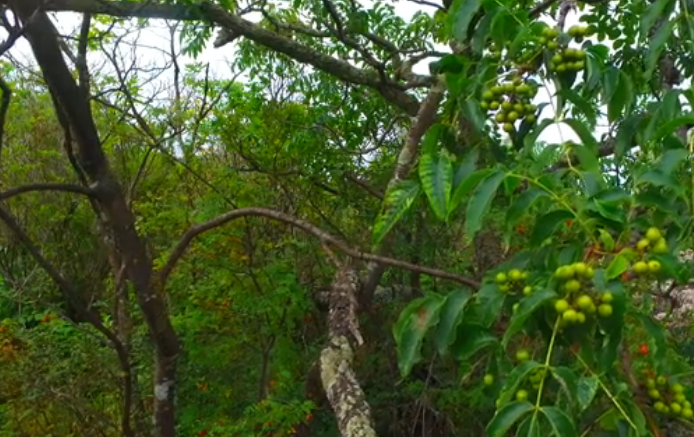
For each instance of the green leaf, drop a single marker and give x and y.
(522, 203)
(606, 240)
(460, 15)
(587, 158)
(487, 304)
(481, 201)
(473, 112)
(618, 265)
(530, 427)
(411, 327)
(583, 105)
(561, 423)
(470, 340)
(467, 185)
(567, 379)
(656, 47)
(583, 133)
(671, 160)
(671, 125)
(547, 223)
(657, 178)
(531, 138)
(466, 167)
(516, 378)
(619, 92)
(526, 308)
(506, 417)
(450, 315)
(586, 390)
(436, 174)
(625, 135)
(653, 13)
(397, 201)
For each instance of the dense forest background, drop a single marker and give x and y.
(465, 219)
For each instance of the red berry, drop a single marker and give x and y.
(643, 349)
(203, 432)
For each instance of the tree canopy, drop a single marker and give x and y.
(473, 221)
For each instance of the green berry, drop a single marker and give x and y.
(507, 106)
(578, 65)
(687, 413)
(522, 355)
(650, 383)
(654, 266)
(521, 395)
(678, 388)
(675, 408)
(501, 278)
(660, 246)
(552, 45)
(504, 288)
(653, 234)
(580, 317)
(661, 380)
(659, 406)
(530, 118)
(605, 310)
(580, 268)
(584, 302)
(606, 297)
(515, 307)
(557, 59)
(519, 108)
(494, 105)
(679, 397)
(527, 290)
(487, 95)
(513, 116)
(484, 106)
(561, 305)
(500, 117)
(572, 286)
(508, 127)
(488, 379)
(640, 267)
(643, 244)
(523, 88)
(561, 68)
(654, 393)
(570, 316)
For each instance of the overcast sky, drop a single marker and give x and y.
(218, 59)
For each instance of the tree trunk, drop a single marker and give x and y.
(111, 206)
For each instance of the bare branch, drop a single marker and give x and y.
(239, 26)
(323, 236)
(68, 188)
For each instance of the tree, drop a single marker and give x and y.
(600, 210)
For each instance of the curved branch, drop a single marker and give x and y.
(68, 188)
(305, 226)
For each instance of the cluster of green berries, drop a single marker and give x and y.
(511, 102)
(653, 242)
(669, 399)
(512, 281)
(566, 59)
(536, 377)
(577, 302)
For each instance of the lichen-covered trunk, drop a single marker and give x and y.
(339, 381)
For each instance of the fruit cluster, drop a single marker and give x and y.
(577, 301)
(512, 281)
(567, 59)
(653, 242)
(511, 101)
(669, 399)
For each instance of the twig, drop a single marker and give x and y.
(68, 188)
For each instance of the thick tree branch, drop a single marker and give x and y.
(406, 161)
(323, 236)
(68, 188)
(205, 10)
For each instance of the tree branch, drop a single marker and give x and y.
(68, 188)
(205, 10)
(323, 236)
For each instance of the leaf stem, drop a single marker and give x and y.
(545, 369)
(608, 393)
